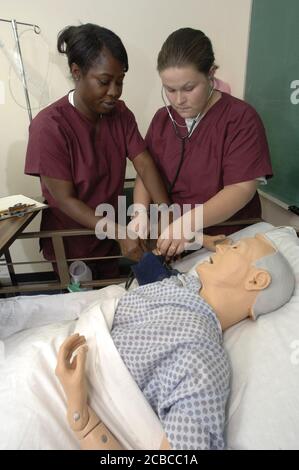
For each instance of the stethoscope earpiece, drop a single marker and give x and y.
(197, 119)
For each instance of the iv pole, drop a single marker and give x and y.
(14, 25)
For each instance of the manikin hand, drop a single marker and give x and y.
(85, 423)
(71, 374)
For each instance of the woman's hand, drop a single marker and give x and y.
(140, 224)
(209, 242)
(179, 235)
(172, 240)
(71, 374)
(127, 239)
(131, 246)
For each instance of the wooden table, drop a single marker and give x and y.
(10, 229)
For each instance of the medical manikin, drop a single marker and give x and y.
(184, 373)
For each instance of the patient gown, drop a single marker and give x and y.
(171, 341)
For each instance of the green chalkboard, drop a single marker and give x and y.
(272, 87)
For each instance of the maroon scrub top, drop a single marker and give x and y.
(228, 146)
(64, 144)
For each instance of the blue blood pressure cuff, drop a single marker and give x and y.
(152, 268)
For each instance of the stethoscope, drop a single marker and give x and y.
(182, 138)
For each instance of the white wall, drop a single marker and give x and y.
(143, 25)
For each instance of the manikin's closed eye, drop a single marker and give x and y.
(235, 246)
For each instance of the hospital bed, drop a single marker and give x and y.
(263, 408)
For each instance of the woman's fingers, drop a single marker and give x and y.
(172, 250)
(226, 241)
(163, 246)
(218, 239)
(176, 248)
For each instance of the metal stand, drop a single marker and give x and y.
(14, 25)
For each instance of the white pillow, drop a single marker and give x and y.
(263, 411)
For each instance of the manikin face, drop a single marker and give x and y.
(186, 89)
(98, 90)
(231, 264)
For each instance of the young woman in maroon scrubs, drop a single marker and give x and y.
(209, 147)
(78, 146)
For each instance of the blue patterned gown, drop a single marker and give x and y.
(171, 341)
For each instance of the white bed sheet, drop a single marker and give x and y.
(32, 404)
(263, 410)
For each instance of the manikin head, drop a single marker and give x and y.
(246, 279)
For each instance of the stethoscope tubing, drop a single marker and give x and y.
(181, 137)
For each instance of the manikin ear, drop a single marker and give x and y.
(258, 279)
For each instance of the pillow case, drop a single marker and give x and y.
(263, 411)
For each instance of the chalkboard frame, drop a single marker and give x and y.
(272, 87)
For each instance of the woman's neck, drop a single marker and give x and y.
(215, 96)
(83, 109)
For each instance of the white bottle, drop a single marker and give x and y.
(79, 272)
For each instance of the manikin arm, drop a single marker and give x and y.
(87, 426)
(96, 436)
